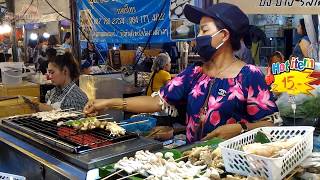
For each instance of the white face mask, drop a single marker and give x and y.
(44, 47)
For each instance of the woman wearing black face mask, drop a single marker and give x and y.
(223, 96)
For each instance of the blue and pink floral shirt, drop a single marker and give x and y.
(243, 98)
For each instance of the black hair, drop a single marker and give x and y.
(65, 60)
(234, 37)
(277, 54)
(90, 43)
(41, 40)
(52, 41)
(303, 27)
(67, 36)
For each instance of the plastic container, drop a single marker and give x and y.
(239, 162)
(11, 73)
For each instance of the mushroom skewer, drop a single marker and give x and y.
(126, 177)
(93, 123)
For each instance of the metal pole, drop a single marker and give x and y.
(11, 9)
(75, 31)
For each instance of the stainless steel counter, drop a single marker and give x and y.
(26, 155)
(20, 158)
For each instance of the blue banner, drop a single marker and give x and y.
(124, 21)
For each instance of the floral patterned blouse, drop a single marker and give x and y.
(243, 98)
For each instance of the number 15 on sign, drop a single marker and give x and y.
(294, 82)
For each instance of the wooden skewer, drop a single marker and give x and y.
(129, 176)
(103, 115)
(63, 110)
(292, 174)
(104, 119)
(151, 134)
(183, 157)
(117, 172)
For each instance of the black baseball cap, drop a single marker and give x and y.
(229, 14)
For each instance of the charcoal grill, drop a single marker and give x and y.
(84, 149)
(67, 138)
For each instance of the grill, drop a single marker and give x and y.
(66, 138)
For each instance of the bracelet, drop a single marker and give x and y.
(124, 104)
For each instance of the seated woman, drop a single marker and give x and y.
(160, 73)
(223, 97)
(63, 71)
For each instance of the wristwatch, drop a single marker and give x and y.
(244, 127)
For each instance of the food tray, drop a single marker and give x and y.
(239, 162)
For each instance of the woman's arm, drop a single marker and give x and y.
(231, 130)
(140, 104)
(304, 45)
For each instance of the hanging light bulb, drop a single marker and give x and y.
(46, 35)
(5, 28)
(33, 36)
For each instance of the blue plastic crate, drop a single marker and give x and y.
(150, 122)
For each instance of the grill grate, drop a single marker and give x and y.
(65, 137)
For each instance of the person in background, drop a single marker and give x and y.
(86, 67)
(31, 49)
(244, 53)
(139, 56)
(67, 42)
(53, 42)
(223, 96)
(20, 52)
(184, 52)
(160, 73)
(41, 60)
(63, 71)
(301, 48)
(90, 54)
(274, 58)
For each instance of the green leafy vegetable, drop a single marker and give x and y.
(260, 137)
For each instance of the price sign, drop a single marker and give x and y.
(293, 82)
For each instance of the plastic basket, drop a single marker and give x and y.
(239, 162)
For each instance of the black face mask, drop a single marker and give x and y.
(204, 48)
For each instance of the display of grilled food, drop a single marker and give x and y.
(55, 115)
(90, 123)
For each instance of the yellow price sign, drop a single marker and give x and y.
(293, 82)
